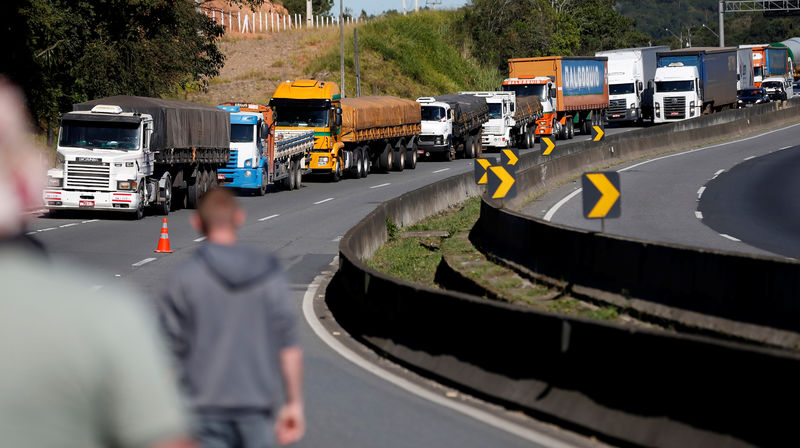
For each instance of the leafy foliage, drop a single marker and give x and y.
(319, 7)
(527, 28)
(66, 51)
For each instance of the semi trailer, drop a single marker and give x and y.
(630, 82)
(124, 153)
(792, 46)
(260, 155)
(694, 81)
(573, 91)
(452, 124)
(351, 135)
(512, 119)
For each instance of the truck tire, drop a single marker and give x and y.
(385, 160)
(193, 194)
(570, 130)
(298, 176)
(411, 160)
(562, 132)
(262, 190)
(292, 179)
(164, 207)
(450, 154)
(366, 163)
(336, 175)
(469, 147)
(357, 169)
(399, 159)
(139, 213)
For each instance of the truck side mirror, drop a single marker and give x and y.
(641, 85)
(338, 119)
(552, 93)
(649, 84)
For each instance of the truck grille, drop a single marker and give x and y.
(616, 107)
(494, 130)
(674, 107)
(88, 175)
(233, 160)
(427, 138)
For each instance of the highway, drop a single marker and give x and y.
(711, 197)
(346, 405)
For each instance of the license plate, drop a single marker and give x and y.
(220, 176)
(86, 203)
(616, 115)
(674, 113)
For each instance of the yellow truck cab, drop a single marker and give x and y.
(371, 131)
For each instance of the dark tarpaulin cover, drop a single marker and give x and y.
(465, 105)
(176, 124)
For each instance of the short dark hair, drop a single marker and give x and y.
(216, 209)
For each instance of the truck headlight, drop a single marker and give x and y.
(439, 140)
(757, 101)
(248, 163)
(658, 109)
(633, 105)
(323, 160)
(691, 108)
(55, 182)
(126, 185)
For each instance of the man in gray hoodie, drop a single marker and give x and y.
(232, 329)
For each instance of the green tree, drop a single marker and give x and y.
(66, 51)
(320, 7)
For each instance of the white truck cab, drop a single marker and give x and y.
(677, 93)
(104, 161)
(436, 133)
(778, 87)
(497, 131)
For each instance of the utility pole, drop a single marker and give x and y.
(341, 45)
(404, 7)
(358, 67)
(721, 24)
(416, 5)
(309, 15)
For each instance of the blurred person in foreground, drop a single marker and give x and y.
(77, 368)
(232, 329)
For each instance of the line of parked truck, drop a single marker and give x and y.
(126, 153)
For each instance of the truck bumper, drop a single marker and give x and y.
(495, 141)
(55, 199)
(321, 162)
(628, 115)
(423, 146)
(241, 177)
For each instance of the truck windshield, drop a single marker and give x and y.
(433, 113)
(302, 117)
(495, 110)
(539, 90)
(674, 86)
(620, 89)
(105, 135)
(772, 85)
(756, 71)
(241, 133)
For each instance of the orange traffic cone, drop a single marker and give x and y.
(163, 240)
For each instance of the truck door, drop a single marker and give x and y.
(149, 160)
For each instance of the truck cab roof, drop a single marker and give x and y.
(676, 73)
(531, 80)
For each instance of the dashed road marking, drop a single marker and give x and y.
(143, 262)
(47, 229)
(751, 157)
(337, 239)
(441, 170)
(717, 174)
(268, 217)
(785, 147)
(31, 233)
(323, 201)
(89, 220)
(69, 225)
(200, 240)
(700, 192)
(725, 235)
(698, 214)
(381, 185)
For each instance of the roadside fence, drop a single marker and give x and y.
(270, 22)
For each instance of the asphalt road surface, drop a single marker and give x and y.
(346, 405)
(660, 197)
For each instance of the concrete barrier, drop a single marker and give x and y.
(624, 384)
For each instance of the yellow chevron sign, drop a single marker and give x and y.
(509, 157)
(481, 167)
(598, 133)
(501, 182)
(547, 145)
(601, 194)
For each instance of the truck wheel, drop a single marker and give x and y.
(450, 154)
(262, 190)
(469, 147)
(570, 130)
(164, 207)
(562, 132)
(358, 165)
(193, 193)
(298, 174)
(139, 213)
(336, 175)
(212, 180)
(385, 160)
(366, 163)
(411, 160)
(292, 179)
(399, 159)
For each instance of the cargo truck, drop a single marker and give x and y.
(758, 61)
(744, 69)
(123, 153)
(694, 81)
(260, 156)
(573, 91)
(630, 76)
(793, 50)
(351, 135)
(452, 124)
(512, 120)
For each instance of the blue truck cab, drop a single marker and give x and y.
(246, 167)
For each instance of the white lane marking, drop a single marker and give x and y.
(95, 288)
(549, 215)
(725, 235)
(323, 201)
(31, 233)
(143, 262)
(268, 217)
(698, 214)
(117, 275)
(706, 147)
(439, 171)
(477, 414)
(47, 229)
(90, 220)
(700, 192)
(337, 239)
(69, 225)
(381, 185)
(33, 212)
(751, 157)
(717, 174)
(200, 240)
(785, 147)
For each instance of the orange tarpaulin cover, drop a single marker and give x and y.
(377, 112)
